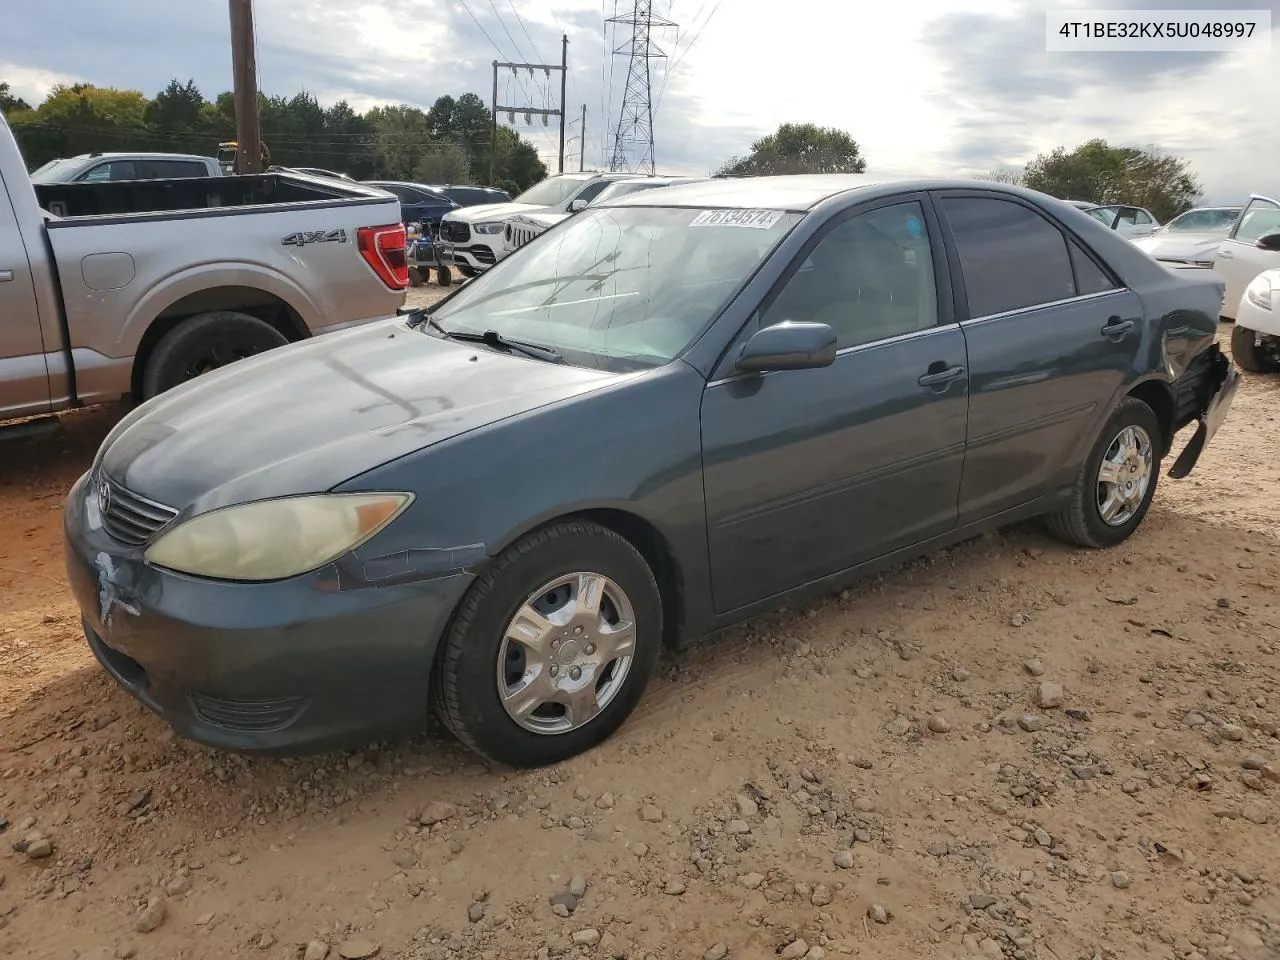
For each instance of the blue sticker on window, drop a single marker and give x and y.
(915, 228)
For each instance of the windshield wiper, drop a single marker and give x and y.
(492, 338)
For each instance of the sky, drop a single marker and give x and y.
(934, 87)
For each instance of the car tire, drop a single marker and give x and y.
(1252, 355)
(468, 273)
(1083, 520)
(478, 668)
(205, 342)
(415, 277)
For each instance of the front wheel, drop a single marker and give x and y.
(443, 277)
(551, 649)
(1113, 491)
(1255, 352)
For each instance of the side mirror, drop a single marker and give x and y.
(577, 205)
(1269, 242)
(788, 346)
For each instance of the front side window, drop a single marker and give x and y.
(591, 191)
(620, 287)
(1260, 218)
(869, 278)
(1011, 257)
(1206, 221)
(111, 170)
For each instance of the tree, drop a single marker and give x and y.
(1100, 173)
(799, 148)
(518, 161)
(444, 162)
(9, 103)
(1002, 175)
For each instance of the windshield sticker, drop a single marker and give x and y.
(757, 219)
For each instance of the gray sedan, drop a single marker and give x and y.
(666, 414)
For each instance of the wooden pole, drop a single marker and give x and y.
(493, 133)
(564, 77)
(245, 78)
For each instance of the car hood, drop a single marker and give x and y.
(489, 212)
(305, 418)
(1181, 246)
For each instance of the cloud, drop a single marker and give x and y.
(937, 86)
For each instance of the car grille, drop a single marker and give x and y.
(128, 517)
(454, 232)
(520, 235)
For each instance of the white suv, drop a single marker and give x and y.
(471, 239)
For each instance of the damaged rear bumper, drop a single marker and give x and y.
(1213, 386)
(284, 667)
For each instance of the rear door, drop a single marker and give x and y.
(1239, 259)
(1051, 336)
(24, 375)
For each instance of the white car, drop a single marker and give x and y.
(1252, 246)
(1191, 239)
(523, 227)
(471, 238)
(1129, 221)
(1255, 340)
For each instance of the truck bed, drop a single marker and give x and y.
(189, 197)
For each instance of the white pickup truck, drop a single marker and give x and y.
(125, 289)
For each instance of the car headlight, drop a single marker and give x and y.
(1259, 292)
(275, 539)
(488, 227)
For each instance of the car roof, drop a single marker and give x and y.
(798, 192)
(405, 183)
(150, 155)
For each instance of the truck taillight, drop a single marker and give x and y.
(383, 248)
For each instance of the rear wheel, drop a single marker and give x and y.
(203, 343)
(1115, 486)
(443, 277)
(551, 650)
(469, 273)
(1255, 352)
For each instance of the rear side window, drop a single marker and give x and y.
(169, 169)
(1011, 257)
(1090, 278)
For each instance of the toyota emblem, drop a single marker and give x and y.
(104, 496)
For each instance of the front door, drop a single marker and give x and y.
(1238, 259)
(24, 374)
(1051, 337)
(808, 472)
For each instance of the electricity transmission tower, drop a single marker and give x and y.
(634, 133)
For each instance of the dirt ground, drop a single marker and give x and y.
(1007, 749)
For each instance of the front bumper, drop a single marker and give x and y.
(1252, 317)
(287, 667)
(477, 256)
(1221, 379)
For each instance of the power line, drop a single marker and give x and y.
(680, 59)
(520, 20)
(502, 23)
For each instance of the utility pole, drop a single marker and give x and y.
(564, 76)
(529, 111)
(582, 153)
(634, 132)
(245, 78)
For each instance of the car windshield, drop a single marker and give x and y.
(620, 288)
(1203, 221)
(551, 191)
(52, 171)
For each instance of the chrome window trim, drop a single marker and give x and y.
(1079, 298)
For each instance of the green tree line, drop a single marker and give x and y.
(449, 143)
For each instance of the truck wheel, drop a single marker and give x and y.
(203, 343)
(1255, 352)
(444, 277)
(1115, 485)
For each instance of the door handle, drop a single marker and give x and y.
(1225, 254)
(1117, 328)
(6, 276)
(939, 377)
